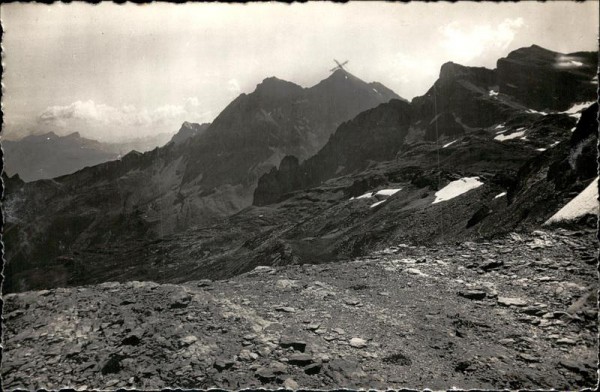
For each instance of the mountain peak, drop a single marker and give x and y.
(186, 124)
(41, 136)
(451, 70)
(343, 75)
(343, 82)
(277, 88)
(533, 53)
(189, 130)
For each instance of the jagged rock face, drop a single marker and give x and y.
(278, 182)
(583, 157)
(548, 181)
(542, 79)
(444, 124)
(54, 155)
(349, 149)
(189, 130)
(463, 100)
(279, 118)
(463, 92)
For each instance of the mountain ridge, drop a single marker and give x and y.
(198, 182)
(185, 211)
(461, 100)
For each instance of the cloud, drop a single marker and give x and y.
(101, 121)
(465, 44)
(233, 86)
(409, 75)
(413, 68)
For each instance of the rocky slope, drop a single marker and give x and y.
(351, 215)
(545, 80)
(212, 175)
(464, 100)
(517, 312)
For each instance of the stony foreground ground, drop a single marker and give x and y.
(518, 312)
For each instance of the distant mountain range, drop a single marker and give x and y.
(48, 155)
(45, 156)
(289, 175)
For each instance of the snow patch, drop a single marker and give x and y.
(536, 112)
(457, 188)
(575, 110)
(378, 203)
(364, 196)
(381, 194)
(540, 149)
(387, 192)
(584, 203)
(568, 62)
(375, 90)
(493, 93)
(510, 136)
(449, 144)
(499, 195)
(499, 126)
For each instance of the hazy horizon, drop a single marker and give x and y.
(113, 72)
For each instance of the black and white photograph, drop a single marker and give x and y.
(301, 196)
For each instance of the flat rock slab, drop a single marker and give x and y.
(508, 301)
(473, 294)
(358, 343)
(298, 345)
(300, 359)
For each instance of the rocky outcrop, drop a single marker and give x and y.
(187, 131)
(542, 79)
(548, 181)
(463, 100)
(376, 135)
(463, 92)
(278, 182)
(279, 118)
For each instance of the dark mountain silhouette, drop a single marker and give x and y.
(542, 79)
(183, 211)
(463, 100)
(187, 131)
(198, 182)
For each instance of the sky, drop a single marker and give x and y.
(115, 72)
